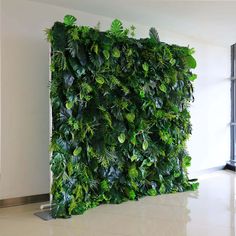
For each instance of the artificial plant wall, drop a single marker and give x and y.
(120, 116)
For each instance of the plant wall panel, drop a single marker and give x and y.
(120, 109)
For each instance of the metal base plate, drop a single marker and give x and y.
(44, 215)
(230, 166)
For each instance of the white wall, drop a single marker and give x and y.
(24, 96)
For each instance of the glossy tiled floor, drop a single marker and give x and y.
(208, 212)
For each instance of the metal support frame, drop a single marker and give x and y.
(45, 210)
(231, 165)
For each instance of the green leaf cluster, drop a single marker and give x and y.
(121, 118)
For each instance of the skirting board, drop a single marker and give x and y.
(24, 200)
(46, 197)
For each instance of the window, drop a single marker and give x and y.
(232, 163)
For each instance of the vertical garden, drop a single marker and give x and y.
(120, 109)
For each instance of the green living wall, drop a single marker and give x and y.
(120, 116)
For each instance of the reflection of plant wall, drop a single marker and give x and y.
(120, 116)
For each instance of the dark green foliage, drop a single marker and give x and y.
(154, 35)
(120, 116)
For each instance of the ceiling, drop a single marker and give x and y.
(211, 21)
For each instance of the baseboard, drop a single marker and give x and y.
(196, 174)
(24, 200)
(46, 197)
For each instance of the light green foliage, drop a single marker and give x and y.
(121, 138)
(120, 116)
(69, 20)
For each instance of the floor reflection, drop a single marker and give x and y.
(232, 207)
(210, 211)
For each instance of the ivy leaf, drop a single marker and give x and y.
(121, 138)
(130, 117)
(162, 189)
(106, 54)
(77, 151)
(134, 158)
(186, 161)
(100, 80)
(154, 35)
(163, 88)
(69, 105)
(116, 53)
(145, 145)
(142, 93)
(69, 20)
(145, 67)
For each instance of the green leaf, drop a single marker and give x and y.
(152, 192)
(133, 172)
(100, 80)
(121, 138)
(69, 105)
(186, 161)
(116, 53)
(76, 126)
(69, 20)
(105, 185)
(145, 145)
(95, 48)
(162, 189)
(132, 195)
(77, 151)
(130, 117)
(73, 205)
(154, 35)
(116, 28)
(163, 88)
(172, 61)
(133, 140)
(190, 62)
(58, 36)
(132, 29)
(192, 77)
(134, 158)
(70, 168)
(106, 54)
(194, 186)
(145, 67)
(142, 93)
